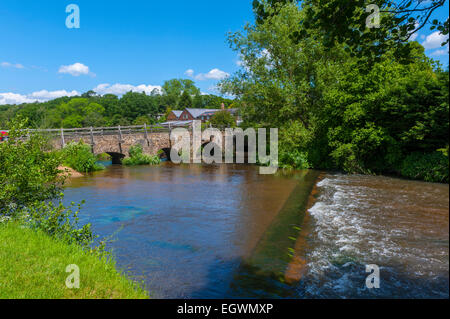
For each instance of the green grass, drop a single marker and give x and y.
(32, 266)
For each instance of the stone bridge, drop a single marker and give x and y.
(116, 141)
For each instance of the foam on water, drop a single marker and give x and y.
(401, 226)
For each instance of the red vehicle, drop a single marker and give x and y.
(3, 136)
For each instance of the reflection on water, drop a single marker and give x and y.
(184, 228)
(194, 231)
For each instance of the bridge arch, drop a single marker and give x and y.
(213, 145)
(164, 153)
(116, 157)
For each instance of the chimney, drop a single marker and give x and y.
(222, 106)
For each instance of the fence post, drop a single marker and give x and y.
(92, 139)
(63, 142)
(120, 139)
(146, 134)
(120, 135)
(170, 133)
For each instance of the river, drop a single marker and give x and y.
(224, 231)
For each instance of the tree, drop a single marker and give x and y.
(334, 112)
(345, 22)
(185, 101)
(278, 82)
(134, 105)
(223, 119)
(198, 102)
(374, 120)
(176, 87)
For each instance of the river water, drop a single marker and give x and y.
(223, 231)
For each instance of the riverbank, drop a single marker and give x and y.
(69, 172)
(33, 266)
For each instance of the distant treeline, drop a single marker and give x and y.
(91, 109)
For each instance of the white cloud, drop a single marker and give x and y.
(439, 52)
(119, 89)
(45, 95)
(434, 40)
(189, 73)
(102, 89)
(75, 69)
(39, 96)
(13, 98)
(214, 74)
(11, 65)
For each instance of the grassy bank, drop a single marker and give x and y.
(32, 265)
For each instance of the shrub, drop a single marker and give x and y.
(79, 157)
(58, 221)
(430, 167)
(27, 172)
(294, 159)
(137, 157)
(30, 185)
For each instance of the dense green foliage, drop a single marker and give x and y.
(185, 101)
(33, 266)
(79, 157)
(137, 157)
(223, 119)
(95, 110)
(345, 22)
(430, 167)
(30, 184)
(335, 110)
(28, 173)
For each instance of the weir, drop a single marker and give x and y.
(275, 250)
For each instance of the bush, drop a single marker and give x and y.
(28, 173)
(31, 184)
(294, 159)
(137, 157)
(59, 222)
(79, 157)
(431, 167)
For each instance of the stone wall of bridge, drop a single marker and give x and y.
(119, 148)
(113, 144)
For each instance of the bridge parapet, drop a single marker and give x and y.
(113, 140)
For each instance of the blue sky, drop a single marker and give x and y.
(124, 45)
